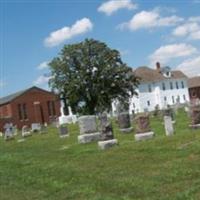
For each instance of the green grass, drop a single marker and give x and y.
(47, 167)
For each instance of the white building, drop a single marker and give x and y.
(158, 87)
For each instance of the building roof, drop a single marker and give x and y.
(194, 82)
(9, 98)
(147, 74)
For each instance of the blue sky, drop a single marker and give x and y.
(144, 31)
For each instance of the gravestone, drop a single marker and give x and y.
(66, 119)
(169, 112)
(88, 129)
(43, 129)
(26, 131)
(143, 130)
(124, 122)
(35, 127)
(63, 131)
(9, 132)
(169, 130)
(107, 138)
(195, 117)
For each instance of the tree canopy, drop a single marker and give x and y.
(89, 76)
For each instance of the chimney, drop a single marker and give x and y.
(158, 66)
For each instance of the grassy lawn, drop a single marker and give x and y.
(47, 167)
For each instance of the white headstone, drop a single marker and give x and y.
(8, 131)
(169, 130)
(35, 127)
(25, 131)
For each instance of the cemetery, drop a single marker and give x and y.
(98, 161)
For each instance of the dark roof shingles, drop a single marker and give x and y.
(152, 75)
(194, 82)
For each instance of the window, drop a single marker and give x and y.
(182, 84)
(149, 87)
(51, 108)
(173, 99)
(19, 111)
(171, 86)
(148, 103)
(177, 85)
(22, 111)
(163, 86)
(184, 98)
(165, 98)
(193, 94)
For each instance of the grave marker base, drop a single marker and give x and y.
(144, 136)
(107, 144)
(87, 138)
(126, 130)
(194, 126)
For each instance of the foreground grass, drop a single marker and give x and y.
(47, 167)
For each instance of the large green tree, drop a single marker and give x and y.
(89, 76)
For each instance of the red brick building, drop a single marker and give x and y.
(33, 105)
(194, 88)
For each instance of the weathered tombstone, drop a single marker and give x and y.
(26, 131)
(66, 119)
(169, 112)
(143, 130)
(15, 132)
(63, 131)
(107, 138)
(9, 134)
(195, 117)
(88, 129)
(124, 122)
(169, 130)
(35, 127)
(43, 129)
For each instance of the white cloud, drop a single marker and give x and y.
(190, 67)
(112, 6)
(165, 53)
(79, 27)
(194, 19)
(41, 80)
(43, 65)
(150, 19)
(186, 29)
(190, 29)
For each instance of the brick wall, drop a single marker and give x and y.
(35, 101)
(5, 111)
(194, 93)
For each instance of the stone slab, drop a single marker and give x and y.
(169, 129)
(87, 138)
(26, 134)
(144, 136)
(107, 144)
(64, 136)
(21, 140)
(195, 126)
(87, 124)
(126, 130)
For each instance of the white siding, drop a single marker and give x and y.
(158, 96)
